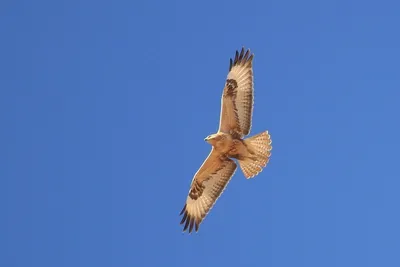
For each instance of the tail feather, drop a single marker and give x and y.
(259, 151)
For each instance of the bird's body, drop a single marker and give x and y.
(222, 142)
(228, 144)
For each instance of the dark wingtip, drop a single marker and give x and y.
(251, 57)
(184, 208)
(184, 218)
(247, 53)
(191, 223)
(241, 57)
(241, 54)
(236, 57)
(187, 223)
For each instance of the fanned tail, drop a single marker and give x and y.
(259, 148)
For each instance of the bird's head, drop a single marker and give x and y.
(211, 138)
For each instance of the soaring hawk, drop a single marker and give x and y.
(228, 143)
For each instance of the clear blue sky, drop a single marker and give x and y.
(104, 107)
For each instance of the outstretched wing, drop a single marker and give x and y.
(238, 96)
(207, 185)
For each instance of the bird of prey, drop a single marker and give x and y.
(228, 143)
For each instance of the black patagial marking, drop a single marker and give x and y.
(231, 86)
(196, 191)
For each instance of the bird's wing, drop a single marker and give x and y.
(207, 185)
(238, 95)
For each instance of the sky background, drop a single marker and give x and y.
(104, 106)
